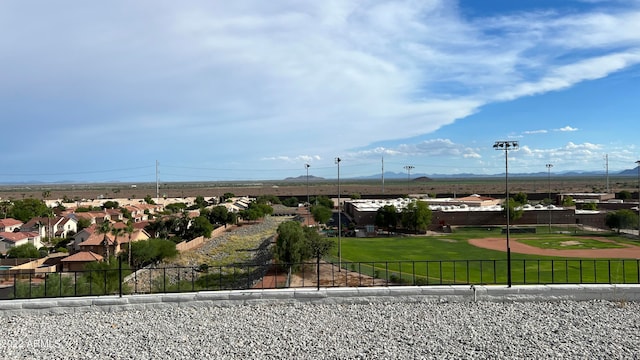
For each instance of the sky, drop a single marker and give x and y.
(253, 90)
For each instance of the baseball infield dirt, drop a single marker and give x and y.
(499, 244)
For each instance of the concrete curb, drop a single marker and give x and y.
(351, 295)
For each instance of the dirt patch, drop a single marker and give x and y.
(500, 244)
(570, 243)
(331, 276)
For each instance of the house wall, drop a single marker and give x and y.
(5, 245)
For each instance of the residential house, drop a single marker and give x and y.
(115, 214)
(94, 217)
(105, 244)
(79, 260)
(80, 237)
(9, 225)
(9, 240)
(57, 226)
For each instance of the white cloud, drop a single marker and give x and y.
(271, 80)
(567, 129)
(534, 132)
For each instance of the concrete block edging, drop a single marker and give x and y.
(347, 295)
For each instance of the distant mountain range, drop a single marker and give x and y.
(574, 173)
(390, 175)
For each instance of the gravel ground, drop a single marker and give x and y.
(570, 330)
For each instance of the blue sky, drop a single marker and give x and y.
(253, 90)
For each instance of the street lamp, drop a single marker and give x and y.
(339, 220)
(408, 168)
(506, 146)
(308, 203)
(549, 166)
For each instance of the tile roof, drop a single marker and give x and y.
(83, 256)
(17, 236)
(96, 239)
(10, 222)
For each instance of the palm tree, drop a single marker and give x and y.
(104, 229)
(116, 232)
(129, 231)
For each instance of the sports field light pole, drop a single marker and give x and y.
(638, 163)
(549, 166)
(339, 220)
(308, 203)
(506, 146)
(408, 168)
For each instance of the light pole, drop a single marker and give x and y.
(638, 163)
(339, 220)
(549, 166)
(408, 168)
(506, 146)
(308, 203)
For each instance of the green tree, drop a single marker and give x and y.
(416, 216)
(621, 219)
(324, 201)
(218, 215)
(624, 195)
(149, 200)
(5, 208)
(568, 201)
(110, 204)
(291, 202)
(226, 196)
(145, 252)
(515, 210)
(520, 198)
(26, 209)
(176, 207)
(316, 245)
(268, 199)
(200, 202)
(290, 245)
(590, 206)
(387, 217)
(321, 214)
(25, 251)
(200, 227)
(83, 223)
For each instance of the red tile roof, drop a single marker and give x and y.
(83, 256)
(17, 236)
(10, 222)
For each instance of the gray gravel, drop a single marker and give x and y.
(569, 330)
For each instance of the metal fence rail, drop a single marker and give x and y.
(312, 274)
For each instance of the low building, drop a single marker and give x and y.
(79, 260)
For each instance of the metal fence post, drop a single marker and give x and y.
(120, 276)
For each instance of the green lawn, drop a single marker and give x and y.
(449, 259)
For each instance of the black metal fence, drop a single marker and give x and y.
(360, 274)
